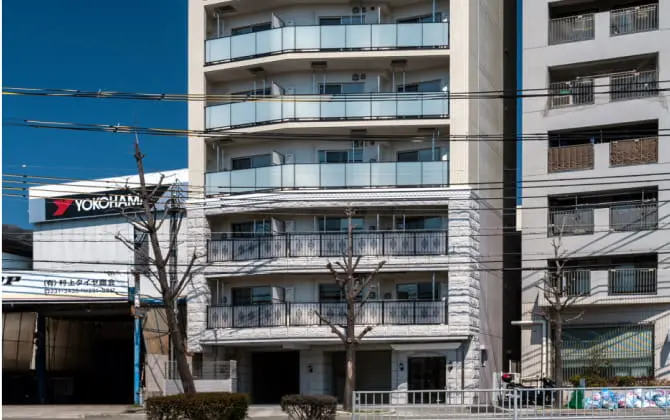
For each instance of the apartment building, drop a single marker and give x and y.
(595, 184)
(312, 108)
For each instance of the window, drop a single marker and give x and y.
(422, 19)
(342, 20)
(339, 224)
(418, 291)
(626, 350)
(258, 161)
(251, 28)
(251, 295)
(341, 156)
(254, 228)
(341, 88)
(420, 223)
(422, 155)
(331, 293)
(428, 86)
(254, 92)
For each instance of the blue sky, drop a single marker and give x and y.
(130, 46)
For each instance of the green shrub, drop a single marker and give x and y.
(309, 407)
(594, 381)
(200, 406)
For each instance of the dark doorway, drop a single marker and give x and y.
(274, 374)
(373, 373)
(430, 374)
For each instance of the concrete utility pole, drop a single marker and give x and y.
(175, 213)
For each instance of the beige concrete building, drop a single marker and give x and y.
(313, 107)
(597, 179)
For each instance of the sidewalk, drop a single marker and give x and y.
(68, 411)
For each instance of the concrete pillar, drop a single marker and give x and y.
(41, 358)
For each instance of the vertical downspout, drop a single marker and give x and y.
(519, 101)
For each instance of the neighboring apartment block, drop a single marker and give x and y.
(315, 107)
(595, 163)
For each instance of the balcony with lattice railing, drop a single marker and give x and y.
(634, 151)
(571, 158)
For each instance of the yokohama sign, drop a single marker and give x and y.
(107, 203)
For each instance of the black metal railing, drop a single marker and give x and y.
(386, 312)
(327, 244)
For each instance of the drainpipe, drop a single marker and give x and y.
(434, 10)
(543, 353)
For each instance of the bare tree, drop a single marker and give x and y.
(561, 289)
(356, 292)
(157, 261)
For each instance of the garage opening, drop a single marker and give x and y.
(274, 374)
(373, 373)
(88, 355)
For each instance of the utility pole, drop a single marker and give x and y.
(174, 224)
(137, 314)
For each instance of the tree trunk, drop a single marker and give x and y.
(350, 383)
(558, 347)
(179, 348)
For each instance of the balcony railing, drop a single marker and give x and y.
(329, 38)
(571, 29)
(571, 158)
(574, 282)
(284, 314)
(566, 222)
(634, 151)
(632, 281)
(328, 244)
(634, 217)
(621, 86)
(328, 176)
(634, 19)
(291, 108)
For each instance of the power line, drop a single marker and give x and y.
(308, 97)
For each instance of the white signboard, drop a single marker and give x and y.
(44, 286)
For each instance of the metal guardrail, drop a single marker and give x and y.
(621, 86)
(313, 38)
(328, 244)
(287, 314)
(634, 19)
(634, 217)
(571, 158)
(576, 282)
(329, 175)
(634, 151)
(578, 221)
(632, 281)
(584, 403)
(572, 29)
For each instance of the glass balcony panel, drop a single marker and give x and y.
(243, 113)
(308, 110)
(335, 108)
(408, 173)
(358, 37)
(333, 37)
(384, 36)
(333, 175)
(268, 42)
(307, 176)
(217, 183)
(288, 108)
(383, 174)
(306, 38)
(243, 181)
(358, 107)
(435, 106)
(409, 35)
(217, 50)
(288, 174)
(407, 106)
(435, 34)
(269, 177)
(434, 173)
(243, 45)
(358, 175)
(267, 111)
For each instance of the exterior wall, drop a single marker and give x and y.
(538, 118)
(16, 262)
(472, 63)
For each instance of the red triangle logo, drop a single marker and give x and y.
(62, 206)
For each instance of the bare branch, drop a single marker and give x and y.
(339, 280)
(364, 283)
(332, 326)
(358, 260)
(186, 276)
(363, 333)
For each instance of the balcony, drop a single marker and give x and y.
(634, 217)
(632, 281)
(328, 244)
(571, 158)
(620, 86)
(293, 108)
(576, 221)
(329, 176)
(286, 314)
(295, 39)
(583, 26)
(623, 217)
(634, 151)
